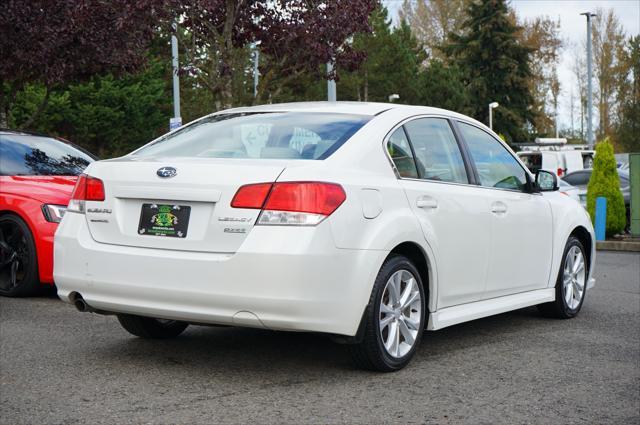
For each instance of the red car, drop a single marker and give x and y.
(37, 176)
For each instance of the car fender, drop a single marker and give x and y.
(567, 216)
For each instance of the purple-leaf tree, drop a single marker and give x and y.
(58, 42)
(293, 36)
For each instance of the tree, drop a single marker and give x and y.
(433, 20)
(605, 183)
(108, 116)
(442, 86)
(579, 70)
(392, 63)
(628, 131)
(608, 50)
(55, 43)
(294, 37)
(496, 67)
(542, 36)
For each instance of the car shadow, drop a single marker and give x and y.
(234, 349)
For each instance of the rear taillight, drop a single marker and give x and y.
(560, 172)
(291, 203)
(251, 196)
(87, 189)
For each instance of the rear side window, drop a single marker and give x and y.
(275, 135)
(496, 166)
(26, 155)
(400, 152)
(437, 153)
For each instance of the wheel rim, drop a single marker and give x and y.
(14, 256)
(400, 313)
(573, 278)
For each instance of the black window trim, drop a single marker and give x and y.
(530, 178)
(385, 142)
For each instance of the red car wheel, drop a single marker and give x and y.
(18, 262)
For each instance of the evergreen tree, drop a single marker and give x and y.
(108, 116)
(496, 68)
(392, 64)
(442, 86)
(606, 183)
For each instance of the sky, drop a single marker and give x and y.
(573, 30)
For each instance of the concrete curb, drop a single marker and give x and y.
(628, 246)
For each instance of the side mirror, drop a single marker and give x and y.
(546, 181)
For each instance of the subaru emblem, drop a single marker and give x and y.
(167, 172)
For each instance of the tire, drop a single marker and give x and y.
(150, 328)
(370, 353)
(18, 258)
(562, 308)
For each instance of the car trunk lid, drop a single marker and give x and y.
(204, 187)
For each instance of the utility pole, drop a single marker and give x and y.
(331, 85)
(590, 138)
(256, 75)
(176, 121)
(492, 105)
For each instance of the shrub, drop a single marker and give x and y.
(606, 183)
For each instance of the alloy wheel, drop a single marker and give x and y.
(574, 277)
(400, 313)
(14, 256)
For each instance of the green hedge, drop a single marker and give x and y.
(606, 183)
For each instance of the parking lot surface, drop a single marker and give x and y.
(61, 366)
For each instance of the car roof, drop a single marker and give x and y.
(359, 108)
(9, 132)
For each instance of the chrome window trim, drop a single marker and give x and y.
(386, 138)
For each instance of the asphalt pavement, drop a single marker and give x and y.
(61, 366)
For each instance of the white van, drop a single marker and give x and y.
(556, 155)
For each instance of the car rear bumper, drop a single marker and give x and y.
(285, 278)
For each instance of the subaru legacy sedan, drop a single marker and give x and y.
(368, 222)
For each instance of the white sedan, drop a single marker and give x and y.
(370, 222)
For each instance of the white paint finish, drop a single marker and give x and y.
(472, 311)
(289, 277)
(456, 222)
(205, 185)
(520, 249)
(371, 203)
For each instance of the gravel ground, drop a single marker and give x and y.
(61, 366)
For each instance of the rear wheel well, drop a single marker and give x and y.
(417, 256)
(584, 237)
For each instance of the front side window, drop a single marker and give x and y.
(437, 153)
(272, 135)
(496, 166)
(27, 155)
(400, 152)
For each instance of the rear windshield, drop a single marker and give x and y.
(27, 155)
(281, 135)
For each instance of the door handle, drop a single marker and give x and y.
(498, 208)
(426, 202)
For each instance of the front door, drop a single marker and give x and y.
(521, 222)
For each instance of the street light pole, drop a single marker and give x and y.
(331, 84)
(492, 105)
(256, 75)
(590, 138)
(176, 121)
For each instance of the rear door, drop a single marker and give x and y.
(204, 187)
(521, 225)
(453, 213)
